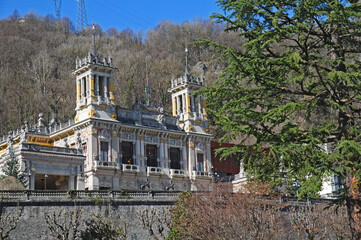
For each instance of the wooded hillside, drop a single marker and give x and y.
(37, 57)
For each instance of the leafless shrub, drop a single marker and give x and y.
(64, 225)
(8, 222)
(319, 222)
(156, 222)
(104, 227)
(223, 215)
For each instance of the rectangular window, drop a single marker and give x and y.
(151, 153)
(104, 151)
(174, 154)
(127, 151)
(101, 86)
(181, 103)
(200, 162)
(85, 86)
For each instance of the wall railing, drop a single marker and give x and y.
(86, 195)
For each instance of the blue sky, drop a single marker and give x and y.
(120, 14)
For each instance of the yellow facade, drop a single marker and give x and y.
(174, 108)
(78, 91)
(92, 84)
(92, 113)
(111, 86)
(188, 104)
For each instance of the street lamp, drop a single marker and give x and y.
(45, 180)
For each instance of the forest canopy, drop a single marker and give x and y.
(37, 57)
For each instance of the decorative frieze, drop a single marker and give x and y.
(127, 136)
(175, 142)
(151, 139)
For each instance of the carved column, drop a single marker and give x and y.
(174, 106)
(183, 161)
(199, 105)
(192, 103)
(106, 93)
(111, 90)
(184, 103)
(78, 90)
(87, 79)
(178, 104)
(92, 87)
(96, 85)
(82, 89)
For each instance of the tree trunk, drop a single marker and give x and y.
(352, 194)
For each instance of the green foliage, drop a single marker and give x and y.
(177, 214)
(293, 87)
(101, 227)
(72, 194)
(12, 168)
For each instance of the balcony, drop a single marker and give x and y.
(105, 165)
(200, 174)
(177, 173)
(154, 171)
(130, 168)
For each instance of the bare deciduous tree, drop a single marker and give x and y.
(8, 222)
(64, 225)
(319, 222)
(221, 214)
(156, 222)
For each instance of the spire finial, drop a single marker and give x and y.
(146, 71)
(186, 51)
(147, 87)
(93, 40)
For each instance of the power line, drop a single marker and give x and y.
(137, 16)
(141, 22)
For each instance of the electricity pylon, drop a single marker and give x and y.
(81, 21)
(57, 6)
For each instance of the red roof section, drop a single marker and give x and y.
(229, 165)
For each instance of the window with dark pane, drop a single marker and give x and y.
(200, 162)
(104, 148)
(127, 151)
(174, 154)
(151, 153)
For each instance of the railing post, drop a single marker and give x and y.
(27, 194)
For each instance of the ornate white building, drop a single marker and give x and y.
(107, 147)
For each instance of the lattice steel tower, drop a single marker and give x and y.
(57, 6)
(81, 21)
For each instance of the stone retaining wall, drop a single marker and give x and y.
(32, 223)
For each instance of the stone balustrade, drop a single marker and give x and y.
(177, 173)
(200, 174)
(105, 164)
(86, 195)
(130, 168)
(154, 171)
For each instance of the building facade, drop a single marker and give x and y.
(107, 147)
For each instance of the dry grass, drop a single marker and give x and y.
(10, 183)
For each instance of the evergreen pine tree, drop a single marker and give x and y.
(292, 86)
(12, 168)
